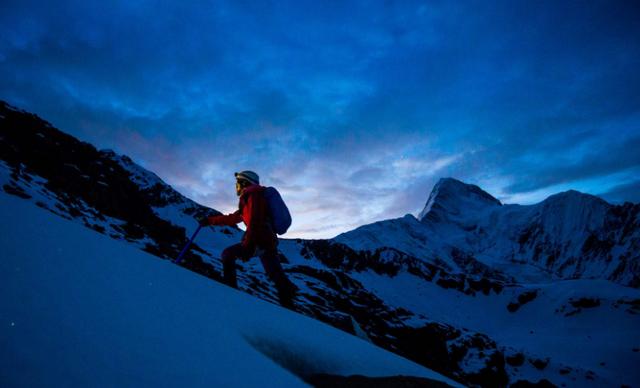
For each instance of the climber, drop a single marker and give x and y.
(259, 239)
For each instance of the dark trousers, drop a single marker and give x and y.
(270, 262)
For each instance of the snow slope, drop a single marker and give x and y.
(78, 308)
(602, 338)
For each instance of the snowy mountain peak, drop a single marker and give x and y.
(571, 213)
(141, 176)
(451, 197)
(576, 196)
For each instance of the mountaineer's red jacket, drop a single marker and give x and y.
(254, 211)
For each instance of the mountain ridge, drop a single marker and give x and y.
(568, 235)
(447, 194)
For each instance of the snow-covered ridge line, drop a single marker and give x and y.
(568, 235)
(101, 190)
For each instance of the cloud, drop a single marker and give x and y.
(602, 159)
(353, 110)
(626, 192)
(366, 175)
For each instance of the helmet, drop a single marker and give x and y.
(248, 176)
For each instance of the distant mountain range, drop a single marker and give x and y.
(486, 293)
(569, 235)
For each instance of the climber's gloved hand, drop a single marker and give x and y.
(204, 221)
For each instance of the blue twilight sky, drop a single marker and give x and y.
(352, 109)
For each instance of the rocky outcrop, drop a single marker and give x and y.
(75, 180)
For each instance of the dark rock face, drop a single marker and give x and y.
(515, 360)
(585, 302)
(523, 299)
(578, 304)
(634, 305)
(428, 345)
(337, 298)
(544, 383)
(390, 261)
(473, 267)
(493, 374)
(539, 364)
(333, 381)
(15, 190)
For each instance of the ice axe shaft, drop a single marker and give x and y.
(186, 247)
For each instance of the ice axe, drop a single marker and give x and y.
(186, 247)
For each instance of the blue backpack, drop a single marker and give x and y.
(280, 216)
